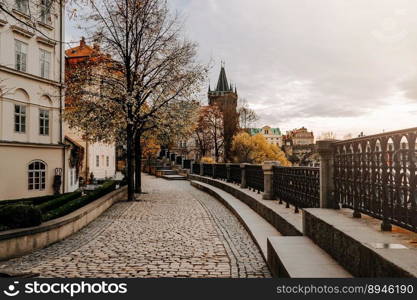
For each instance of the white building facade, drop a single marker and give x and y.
(32, 151)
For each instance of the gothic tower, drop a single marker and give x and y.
(226, 98)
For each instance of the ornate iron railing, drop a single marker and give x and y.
(221, 171)
(187, 164)
(196, 168)
(255, 177)
(299, 186)
(235, 173)
(208, 170)
(376, 175)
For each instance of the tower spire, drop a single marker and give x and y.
(222, 84)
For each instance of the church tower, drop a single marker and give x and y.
(226, 99)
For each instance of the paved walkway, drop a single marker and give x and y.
(175, 231)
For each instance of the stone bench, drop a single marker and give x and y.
(299, 257)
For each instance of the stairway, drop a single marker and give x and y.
(170, 174)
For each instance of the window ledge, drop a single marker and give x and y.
(22, 31)
(45, 41)
(20, 13)
(45, 25)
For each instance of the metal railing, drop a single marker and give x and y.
(255, 177)
(299, 186)
(187, 164)
(221, 171)
(235, 173)
(196, 168)
(208, 170)
(376, 175)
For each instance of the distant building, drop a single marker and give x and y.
(298, 137)
(99, 158)
(272, 135)
(298, 145)
(225, 96)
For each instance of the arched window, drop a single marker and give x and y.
(37, 175)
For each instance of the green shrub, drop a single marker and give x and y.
(57, 202)
(28, 201)
(19, 216)
(75, 204)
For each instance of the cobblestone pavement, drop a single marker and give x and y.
(175, 231)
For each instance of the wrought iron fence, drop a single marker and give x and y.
(208, 170)
(187, 164)
(221, 171)
(376, 175)
(196, 168)
(255, 177)
(235, 173)
(299, 186)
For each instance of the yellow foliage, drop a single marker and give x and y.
(256, 150)
(150, 148)
(207, 160)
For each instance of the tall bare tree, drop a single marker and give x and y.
(152, 66)
(247, 116)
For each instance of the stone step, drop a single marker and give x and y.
(257, 226)
(174, 177)
(299, 257)
(168, 172)
(359, 245)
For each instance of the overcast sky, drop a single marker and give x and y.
(329, 65)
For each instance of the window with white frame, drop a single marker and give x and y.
(45, 63)
(46, 6)
(22, 6)
(97, 161)
(43, 122)
(37, 176)
(108, 161)
(20, 118)
(21, 50)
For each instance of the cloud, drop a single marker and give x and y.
(302, 60)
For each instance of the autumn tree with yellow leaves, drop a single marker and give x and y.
(256, 150)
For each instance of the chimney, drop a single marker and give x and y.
(82, 42)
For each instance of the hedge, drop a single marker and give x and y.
(19, 216)
(57, 202)
(75, 204)
(33, 200)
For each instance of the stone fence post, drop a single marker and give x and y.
(268, 168)
(228, 173)
(326, 153)
(243, 183)
(201, 169)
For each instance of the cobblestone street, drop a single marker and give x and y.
(175, 231)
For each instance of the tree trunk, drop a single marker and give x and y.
(129, 158)
(138, 166)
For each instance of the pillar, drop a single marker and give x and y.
(268, 168)
(326, 153)
(243, 184)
